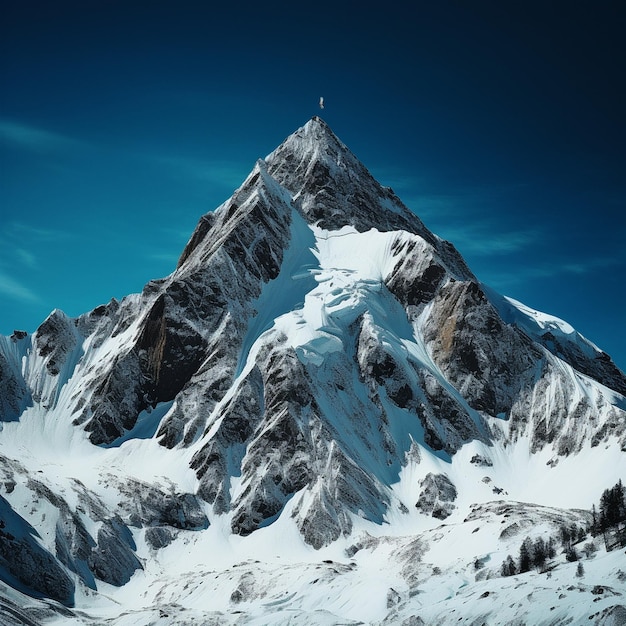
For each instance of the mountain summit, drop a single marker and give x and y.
(320, 374)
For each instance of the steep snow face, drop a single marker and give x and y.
(320, 376)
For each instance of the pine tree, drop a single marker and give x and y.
(539, 553)
(508, 566)
(525, 555)
(605, 509)
(590, 549)
(571, 554)
(580, 570)
(550, 549)
(594, 521)
(620, 501)
(612, 507)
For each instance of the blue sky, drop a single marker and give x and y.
(500, 124)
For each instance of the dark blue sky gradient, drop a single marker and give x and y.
(500, 123)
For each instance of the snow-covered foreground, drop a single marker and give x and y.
(429, 578)
(391, 583)
(411, 567)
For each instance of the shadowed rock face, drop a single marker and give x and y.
(476, 351)
(14, 394)
(27, 564)
(182, 322)
(202, 229)
(54, 339)
(108, 555)
(113, 559)
(170, 350)
(144, 504)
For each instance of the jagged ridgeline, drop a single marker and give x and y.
(318, 360)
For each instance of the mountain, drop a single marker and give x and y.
(321, 416)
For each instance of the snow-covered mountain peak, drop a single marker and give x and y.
(332, 187)
(321, 380)
(314, 140)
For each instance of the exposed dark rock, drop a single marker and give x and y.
(74, 544)
(611, 616)
(14, 394)
(477, 352)
(158, 537)
(323, 181)
(437, 496)
(203, 227)
(109, 557)
(284, 450)
(228, 445)
(25, 564)
(320, 425)
(378, 367)
(393, 598)
(597, 365)
(321, 523)
(416, 277)
(170, 350)
(113, 559)
(481, 461)
(247, 589)
(55, 340)
(119, 401)
(146, 504)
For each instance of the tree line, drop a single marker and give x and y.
(608, 519)
(611, 513)
(536, 554)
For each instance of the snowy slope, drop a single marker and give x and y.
(319, 417)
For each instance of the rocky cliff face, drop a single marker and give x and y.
(314, 341)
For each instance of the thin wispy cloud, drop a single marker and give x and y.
(466, 219)
(396, 179)
(169, 258)
(485, 239)
(177, 234)
(26, 258)
(20, 248)
(463, 202)
(224, 173)
(469, 217)
(21, 231)
(531, 272)
(33, 138)
(11, 288)
(432, 198)
(590, 265)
